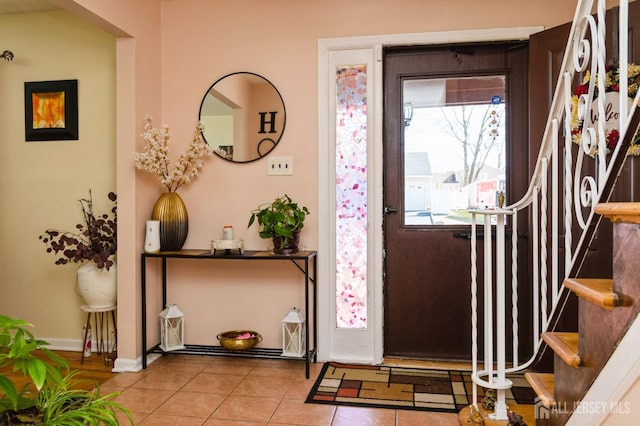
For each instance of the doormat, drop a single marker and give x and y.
(405, 388)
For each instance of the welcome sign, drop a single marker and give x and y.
(611, 113)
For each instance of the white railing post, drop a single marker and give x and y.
(536, 270)
(623, 30)
(514, 288)
(500, 412)
(474, 307)
(554, 213)
(543, 244)
(488, 298)
(568, 160)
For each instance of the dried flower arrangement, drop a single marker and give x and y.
(95, 239)
(155, 158)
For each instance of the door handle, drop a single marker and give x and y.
(389, 210)
(480, 235)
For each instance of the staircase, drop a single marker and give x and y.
(606, 310)
(562, 211)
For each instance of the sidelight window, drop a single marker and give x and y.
(351, 197)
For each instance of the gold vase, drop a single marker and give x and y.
(174, 221)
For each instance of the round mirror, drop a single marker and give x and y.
(243, 117)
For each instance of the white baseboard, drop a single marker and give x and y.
(72, 345)
(119, 365)
(122, 365)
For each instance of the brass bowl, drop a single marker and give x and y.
(229, 340)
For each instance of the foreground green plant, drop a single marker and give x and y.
(63, 405)
(49, 399)
(17, 348)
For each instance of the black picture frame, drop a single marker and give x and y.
(58, 123)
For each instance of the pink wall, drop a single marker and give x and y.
(177, 51)
(204, 40)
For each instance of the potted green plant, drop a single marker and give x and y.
(280, 220)
(94, 243)
(51, 396)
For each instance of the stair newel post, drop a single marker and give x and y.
(494, 301)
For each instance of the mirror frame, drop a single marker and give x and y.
(261, 151)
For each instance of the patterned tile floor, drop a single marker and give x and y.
(215, 391)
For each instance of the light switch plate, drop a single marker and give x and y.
(280, 166)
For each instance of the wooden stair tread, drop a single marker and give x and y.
(543, 385)
(565, 345)
(620, 212)
(596, 290)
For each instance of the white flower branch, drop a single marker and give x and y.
(155, 158)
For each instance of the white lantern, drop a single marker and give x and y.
(293, 332)
(171, 329)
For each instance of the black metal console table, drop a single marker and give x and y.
(305, 261)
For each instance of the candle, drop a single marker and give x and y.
(227, 232)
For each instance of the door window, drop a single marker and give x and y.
(454, 148)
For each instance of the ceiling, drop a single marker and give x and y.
(25, 6)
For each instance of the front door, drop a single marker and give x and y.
(455, 138)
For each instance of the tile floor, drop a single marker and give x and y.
(215, 391)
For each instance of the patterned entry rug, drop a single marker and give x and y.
(404, 388)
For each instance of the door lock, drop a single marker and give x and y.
(389, 210)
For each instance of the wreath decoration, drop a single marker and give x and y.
(611, 84)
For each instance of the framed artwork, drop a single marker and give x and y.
(51, 110)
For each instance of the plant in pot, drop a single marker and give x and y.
(280, 220)
(94, 243)
(51, 395)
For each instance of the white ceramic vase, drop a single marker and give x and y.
(97, 287)
(152, 237)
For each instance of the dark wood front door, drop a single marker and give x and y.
(455, 137)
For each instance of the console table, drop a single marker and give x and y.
(305, 261)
